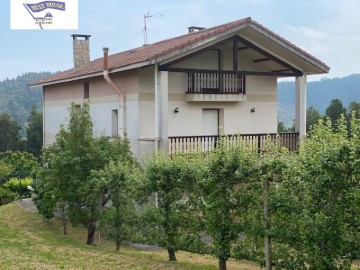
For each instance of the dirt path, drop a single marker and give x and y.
(27, 204)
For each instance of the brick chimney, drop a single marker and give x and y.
(81, 49)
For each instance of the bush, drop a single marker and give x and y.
(22, 163)
(6, 193)
(19, 186)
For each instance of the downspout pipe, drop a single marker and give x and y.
(117, 90)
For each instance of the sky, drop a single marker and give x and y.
(327, 29)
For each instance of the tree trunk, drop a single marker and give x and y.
(91, 233)
(117, 243)
(267, 239)
(63, 218)
(222, 264)
(172, 256)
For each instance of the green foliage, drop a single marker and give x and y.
(117, 220)
(146, 229)
(312, 117)
(23, 163)
(316, 218)
(72, 170)
(6, 170)
(227, 172)
(169, 179)
(314, 195)
(34, 132)
(19, 186)
(334, 111)
(354, 108)
(17, 98)
(9, 133)
(281, 127)
(6, 193)
(45, 202)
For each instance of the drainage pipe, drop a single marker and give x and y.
(117, 90)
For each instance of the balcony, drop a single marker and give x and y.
(190, 144)
(215, 87)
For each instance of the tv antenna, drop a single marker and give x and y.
(148, 16)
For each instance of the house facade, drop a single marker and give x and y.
(183, 92)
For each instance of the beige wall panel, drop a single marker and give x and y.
(205, 60)
(98, 87)
(147, 119)
(64, 91)
(177, 82)
(261, 85)
(237, 117)
(147, 79)
(127, 81)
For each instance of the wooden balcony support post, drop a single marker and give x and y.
(235, 54)
(300, 106)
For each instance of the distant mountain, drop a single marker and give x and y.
(319, 95)
(17, 98)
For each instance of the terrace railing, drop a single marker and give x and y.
(214, 83)
(189, 144)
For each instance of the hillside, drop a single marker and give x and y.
(27, 242)
(319, 95)
(17, 98)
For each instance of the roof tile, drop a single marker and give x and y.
(159, 49)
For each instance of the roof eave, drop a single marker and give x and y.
(321, 66)
(81, 77)
(132, 66)
(197, 45)
(91, 75)
(221, 36)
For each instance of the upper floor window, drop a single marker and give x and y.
(86, 90)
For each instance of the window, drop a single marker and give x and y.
(114, 123)
(86, 90)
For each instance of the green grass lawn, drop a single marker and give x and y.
(26, 242)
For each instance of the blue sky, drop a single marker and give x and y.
(328, 29)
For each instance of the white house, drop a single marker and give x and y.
(185, 90)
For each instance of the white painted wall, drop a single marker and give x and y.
(103, 100)
(261, 94)
(139, 86)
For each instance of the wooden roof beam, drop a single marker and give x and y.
(268, 55)
(239, 72)
(261, 60)
(281, 70)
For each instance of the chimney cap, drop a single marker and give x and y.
(75, 36)
(105, 49)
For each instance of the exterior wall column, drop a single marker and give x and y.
(164, 105)
(157, 104)
(300, 105)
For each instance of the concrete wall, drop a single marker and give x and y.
(261, 94)
(139, 86)
(103, 100)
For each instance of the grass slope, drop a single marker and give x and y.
(26, 242)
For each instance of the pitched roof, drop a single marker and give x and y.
(153, 52)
